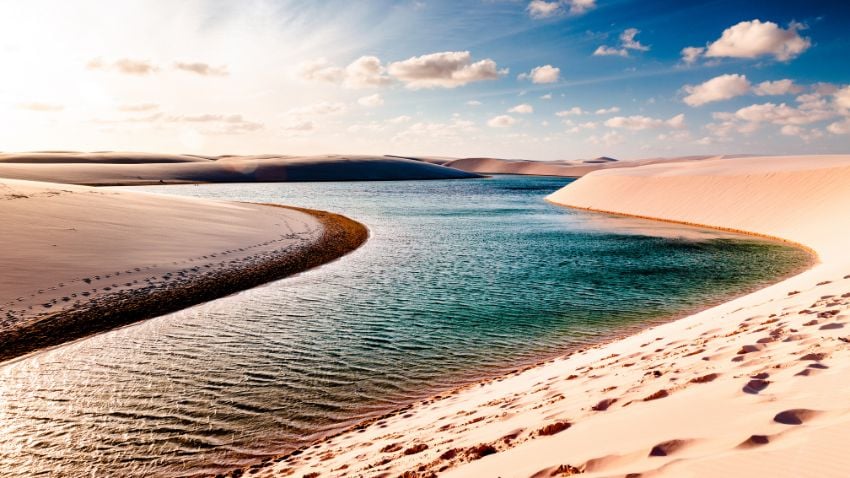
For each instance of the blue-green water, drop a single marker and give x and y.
(459, 280)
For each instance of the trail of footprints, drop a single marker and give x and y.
(96, 289)
(668, 369)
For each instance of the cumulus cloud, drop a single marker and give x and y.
(447, 69)
(522, 109)
(126, 66)
(719, 88)
(628, 42)
(542, 74)
(839, 127)
(782, 114)
(754, 39)
(608, 111)
(574, 111)
(691, 54)
(202, 69)
(547, 96)
(538, 9)
(639, 122)
(778, 87)
(501, 121)
(806, 135)
(364, 72)
(842, 98)
(371, 101)
(41, 107)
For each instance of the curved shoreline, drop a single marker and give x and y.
(340, 235)
(745, 364)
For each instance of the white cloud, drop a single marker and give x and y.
(610, 138)
(627, 38)
(639, 122)
(365, 72)
(522, 109)
(320, 70)
(691, 54)
(806, 135)
(842, 98)
(607, 111)
(719, 88)
(501, 121)
(435, 130)
(371, 101)
(447, 69)
(627, 43)
(126, 66)
(41, 107)
(547, 96)
(473, 103)
(203, 69)
(399, 119)
(300, 126)
(542, 74)
(839, 127)
(574, 111)
(603, 50)
(778, 87)
(538, 9)
(782, 114)
(755, 38)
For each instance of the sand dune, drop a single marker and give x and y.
(755, 387)
(141, 168)
(77, 260)
(564, 168)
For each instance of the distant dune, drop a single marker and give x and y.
(564, 168)
(116, 168)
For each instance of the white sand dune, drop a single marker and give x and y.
(563, 168)
(146, 168)
(759, 386)
(66, 250)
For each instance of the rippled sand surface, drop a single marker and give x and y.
(460, 280)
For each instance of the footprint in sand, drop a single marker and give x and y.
(796, 416)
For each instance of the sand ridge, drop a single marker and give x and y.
(757, 386)
(79, 260)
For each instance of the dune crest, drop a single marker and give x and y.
(754, 387)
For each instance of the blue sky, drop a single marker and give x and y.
(541, 79)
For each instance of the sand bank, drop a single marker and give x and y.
(78, 260)
(758, 386)
(116, 168)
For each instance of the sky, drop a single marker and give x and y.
(541, 79)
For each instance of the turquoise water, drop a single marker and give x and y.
(459, 280)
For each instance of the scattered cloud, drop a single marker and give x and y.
(842, 98)
(473, 103)
(320, 70)
(539, 9)
(216, 123)
(454, 129)
(542, 74)
(608, 111)
(839, 127)
(448, 69)
(574, 111)
(691, 54)
(807, 135)
(41, 107)
(124, 65)
(628, 42)
(300, 126)
(522, 109)
(501, 121)
(639, 122)
(547, 96)
(202, 69)
(776, 88)
(399, 119)
(754, 39)
(365, 72)
(719, 88)
(324, 108)
(610, 138)
(371, 101)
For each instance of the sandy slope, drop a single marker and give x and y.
(572, 169)
(759, 386)
(114, 168)
(73, 256)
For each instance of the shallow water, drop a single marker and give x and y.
(459, 280)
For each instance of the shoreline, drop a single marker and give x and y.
(765, 370)
(339, 236)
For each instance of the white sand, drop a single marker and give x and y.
(759, 386)
(64, 247)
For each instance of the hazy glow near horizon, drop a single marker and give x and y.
(559, 79)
